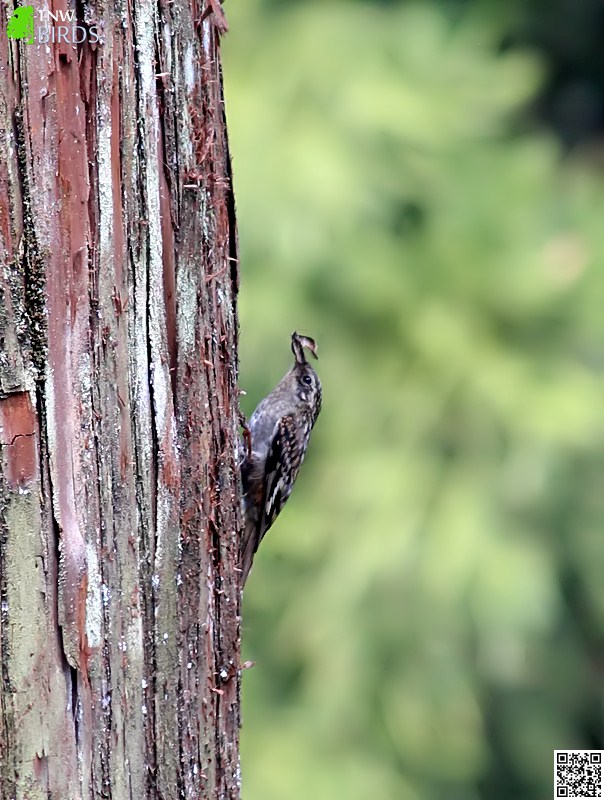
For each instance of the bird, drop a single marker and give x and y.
(277, 437)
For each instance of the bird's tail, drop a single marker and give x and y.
(249, 545)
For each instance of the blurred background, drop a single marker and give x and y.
(420, 186)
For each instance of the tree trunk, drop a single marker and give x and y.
(119, 487)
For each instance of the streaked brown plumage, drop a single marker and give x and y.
(280, 429)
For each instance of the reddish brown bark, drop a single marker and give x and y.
(119, 489)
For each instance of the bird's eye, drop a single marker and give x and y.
(307, 380)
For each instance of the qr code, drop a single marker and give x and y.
(578, 773)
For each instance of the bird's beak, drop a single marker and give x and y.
(299, 342)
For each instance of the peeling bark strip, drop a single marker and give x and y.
(18, 427)
(119, 488)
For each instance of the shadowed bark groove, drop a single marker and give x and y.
(119, 488)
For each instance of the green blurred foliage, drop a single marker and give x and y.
(427, 615)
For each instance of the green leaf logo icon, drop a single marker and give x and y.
(21, 24)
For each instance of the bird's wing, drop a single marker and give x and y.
(283, 461)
